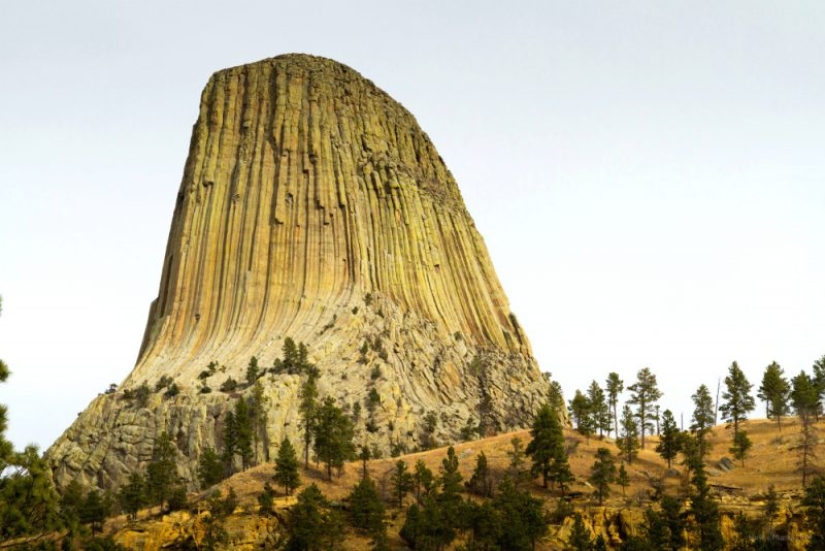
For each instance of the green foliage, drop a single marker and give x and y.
(423, 481)
(28, 501)
(133, 495)
(141, 395)
(162, 471)
(520, 518)
(741, 445)
(402, 482)
(670, 441)
(806, 402)
(470, 430)
(663, 529)
(172, 391)
(705, 513)
(229, 385)
(210, 468)
(266, 500)
(103, 543)
(704, 417)
(164, 382)
(286, 467)
(644, 395)
(622, 478)
(614, 386)
(253, 371)
(599, 409)
(313, 525)
(814, 501)
(481, 481)
(333, 436)
(307, 409)
(775, 390)
(582, 414)
(580, 537)
(737, 399)
(628, 441)
(366, 511)
(94, 509)
(547, 449)
(602, 473)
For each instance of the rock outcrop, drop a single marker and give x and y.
(313, 207)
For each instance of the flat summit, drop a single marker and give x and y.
(312, 207)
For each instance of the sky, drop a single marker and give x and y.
(648, 176)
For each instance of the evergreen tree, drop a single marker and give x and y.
(705, 513)
(257, 413)
(307, 408)
(485, 526)
(162, 471)
(244, 432)
(94, 510)
(333, 435)
(580, 537)
(819, 376)
(581, 412)
(402, 482)
(614, 386)
(814, 502)
(644, 395)
(602, 473)
(230, 442)
(737, 399)
(28, 501)
(599, 410)
(252, 370)
(423, 481)
(449, 499)
(210, 468)
(481, 482)
(313, 527)
(806, 404)
(741, 445)
(670, 442)
(286, 467)
(366, 511)
(521, 519)
(132, 495)
(622, 478)
(628, 442)
(547, 449)
(556, 396)
(704, 418)
(774, 390)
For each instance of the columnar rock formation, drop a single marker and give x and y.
(312, 206)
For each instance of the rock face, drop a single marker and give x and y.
(312, 206)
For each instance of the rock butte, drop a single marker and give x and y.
(312, 206)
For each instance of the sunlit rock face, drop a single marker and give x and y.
(312, 206)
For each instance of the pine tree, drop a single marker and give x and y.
(93, 511)
(286, 467)
(814, 500)
(622, 478)
(602, 473)
(547, 448)
(806, 404)
(703, 419)
(644, 395)
(210, 468)
(774, 390)
(521, 519)
(628, 442)
(252, 370)
(705, 513)
(741, 445)
(402, 482)
(366, 511)
(307, 408)
(580, 537)
(481, 481)
(257, 413)
(614, 386)
(230, 442)
(333, 436)
(738, 401)
(162, 471)
(582, 414)
(599, 410)
(670, 442)
(132, 495)
(423, 481)
(244, 432)
(312, 524)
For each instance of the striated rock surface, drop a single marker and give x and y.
(312, 206)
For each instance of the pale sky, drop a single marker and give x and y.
(649, 176)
